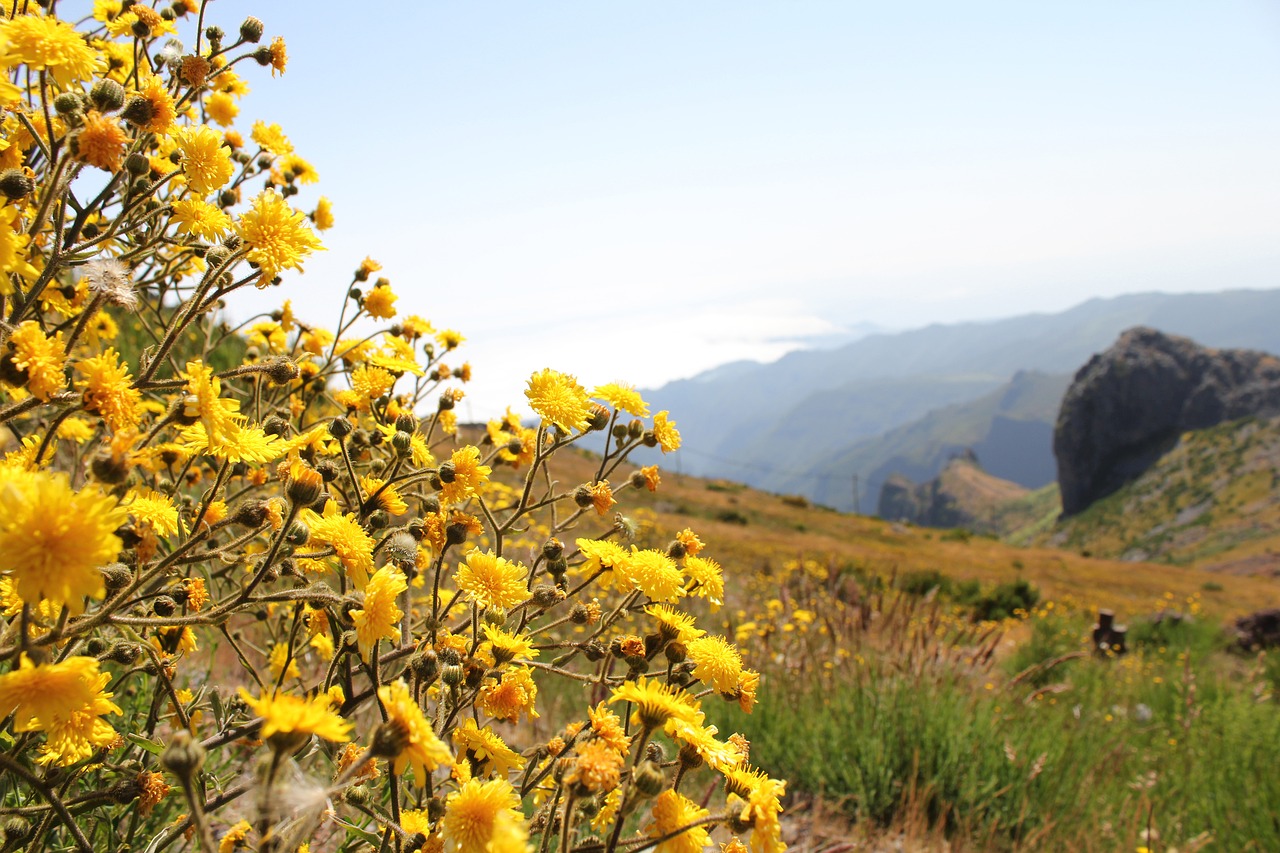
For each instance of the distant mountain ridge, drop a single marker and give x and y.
(793, 425)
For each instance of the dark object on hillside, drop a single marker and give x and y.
(1259, 630)
(1129, 405)
(1107, 635)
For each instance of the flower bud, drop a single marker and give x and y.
(16, 830)
(582, 496)
(406, 422)
(648, 779)
(676, 651)
(580, 615)
(138, 111)
(184, 756)
(402, 443)
(340, 428)
(262, 56)
(552, 549)
(425, 665)
(495, 616)
(107, 95)
(390, 739)
(124, 652)
(16, 184)
(545, 595)
(447, 401)
(251, 30)
(67, 103)
(281, 370)
(448, 473)
(298, 534)
(358, 795)
(455, 533)
(116, 576)
(164, 605)
(378, 519)
(452, 675)
(676, 550)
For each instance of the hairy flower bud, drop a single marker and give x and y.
(16, 184)
(106, 95)
(184, 756)
(251, 30)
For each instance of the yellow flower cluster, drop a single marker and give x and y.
(272, 553)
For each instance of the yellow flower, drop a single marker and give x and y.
(348, 539)
(653, 573)
(277, 235)
(664, 430)
(487, 749)
(380, 617)
(13, 248)
(622, 397)
(150, 507)
(673, 811)
(206, 161)
(293, 715)
(651, 477)
(708, 577)
(597, 767)
(234, 838)
(757, 798)
(41, 357)
(107, 390)
(280, 657)
(277, 56)
(153, 109)
(271, 137)
(492, 581)
(468, 476)
(673, 624)
(656, 703)
(601, 496)
(379, 301)
(42, 42)
(222, 108)
(692, 544)
(53, 539)
(483, 817)
(423, 752)
(558, 398)
(100, 142)
(198, 217)
(603, 554)
(153, 789)
(506, 646)
(607, 726)
(388, 498)
(322, 216)
(301, 171)
(65, 701)
(509, 695)
(702, 740)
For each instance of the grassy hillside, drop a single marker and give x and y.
(750, 531)
(1212, 502)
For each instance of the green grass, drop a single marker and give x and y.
(1081, 758)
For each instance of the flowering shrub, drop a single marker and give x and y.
(259, 590)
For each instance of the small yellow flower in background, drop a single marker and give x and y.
(601, 497)
(692, 544)
(322, 216)
(65, 701)
(558, 398)
(152, 789)
(492, 581)
(277, 235)
(235, 837)
(206, 161)
(41, 357)
(293, 715)
(672, 811)
(664, 430)
(421, 750)
(624, 398)
(449, 339)
(271, 137)
(222, 108)
(280, 656)
(277, 56)
(380, 301)
(484, 817)
(53, 539)
(380, 617)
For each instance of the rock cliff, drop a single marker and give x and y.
(1127, 406)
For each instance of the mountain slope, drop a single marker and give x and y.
(738, 422)
(1212, 501)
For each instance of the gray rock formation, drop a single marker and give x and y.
(1127, 406)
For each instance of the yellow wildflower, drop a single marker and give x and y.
(65, 701)
(484, 817)
(558, 398)
(277, 235)
(292, 715)
(468, 476)
(624, 398)
(380, 617)
(664, 430)
(423, 752)
(206, 161)
(492, 581)
(44, 43)
(671, 812)
(41, 357)
(489, 750)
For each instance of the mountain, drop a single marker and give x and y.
(1128, 405)
(793, 425)
(1211, 501)
(962, 495)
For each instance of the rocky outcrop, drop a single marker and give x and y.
(1127, 406)
(963, 495)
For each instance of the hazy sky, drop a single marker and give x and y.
(640, 191)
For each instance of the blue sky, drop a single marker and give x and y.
(640, 191)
